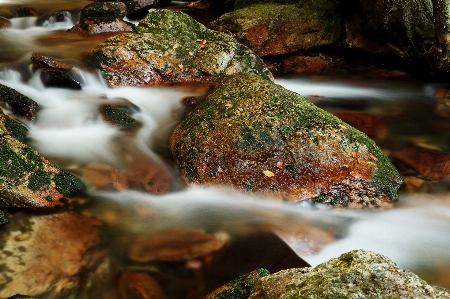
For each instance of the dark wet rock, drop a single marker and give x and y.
(354, 37)
(102, 25)
(138, 9)
(239, 288)
(104, 10)
(4, 23)
(48, 254)
(119, 116)
(17, 103)
(371, 125)
(429, 163)
(301, 64)
(307, 4)
(170, 47)
(29, 180)
(58, 78)
(356, 274)
(273, 29)
(23, 12)
(174, 245)
(406, 27)
(256, 136)
(12, 127)
(41, 61)
(137, 285)
(19, 296)
(223, 6)
(443, 102)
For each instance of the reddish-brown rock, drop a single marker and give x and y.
(372, 125)
(138, 285)
(302, 64)
(427, 162)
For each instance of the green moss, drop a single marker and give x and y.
(49, 199)
(18, 103)
(67, 183)
(241, 287)
(3, 219)
(16, 129)
(119, 116)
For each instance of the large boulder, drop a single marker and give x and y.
(273, 29)
(171, 47)
(256, 136)
(406, 27)
(356, 274)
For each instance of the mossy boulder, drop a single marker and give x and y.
(17, 103)
(257, 136)
(356, 274)
(104, 10)
(170, 47)
(120, 116)
(274, 29)
(240, 288)
(12, 127)
(29, 180)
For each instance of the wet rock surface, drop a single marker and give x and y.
(4, 23)
(429, 163)
(28, 180)
(17, 103)
(273, 29)
(356, 274)
(170, 47)
(119, 115)
(12, 127)
(104, 9)
(39, 251)
(256, 136)
(137, 285)
(372, 125)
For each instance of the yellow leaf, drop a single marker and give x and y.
(269, 173)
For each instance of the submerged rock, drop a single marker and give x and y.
(17, 103)
(273, 29)
(133, 285)
(256, 136)
(48, 254)
(28, 180)
(356, 274)
(171, 47)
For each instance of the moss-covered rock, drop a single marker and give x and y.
(120, 116)
(274, 29)
(3, 218)
(171, 47)
(240, 288)
(12, 127)
(29, 180)
(256, 136)
(330, 5)
(104, 10)
(91, 26)
(17, 103)
(356, 274)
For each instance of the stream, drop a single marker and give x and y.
(69, 132)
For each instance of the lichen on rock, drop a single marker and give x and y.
(256, 136)
(170, 47)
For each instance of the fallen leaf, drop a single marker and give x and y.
(268, 173)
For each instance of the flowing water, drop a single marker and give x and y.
(69, 132)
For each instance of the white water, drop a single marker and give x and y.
(415, 234)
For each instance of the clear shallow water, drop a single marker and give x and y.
(69, 132)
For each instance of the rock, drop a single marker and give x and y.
(3, 218)
(214, 5)
(371, 125)
(443, 102)
(12, 127)
(23, 12)
(120, 116)
(17, 103)
(174, 245)
(356, 274)
(170, 47)
(40, 61)
(28, 180)
(48, 254)
(4, 23)
(407, 28)
(138, 9)
(138, 285)
(90, 26)
(256, 136)
(104, 10)
(427, 162)
(19, 296)
(301, 64)
(274, 29)
(306, 4)
(239, 288)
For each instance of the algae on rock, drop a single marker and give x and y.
(171, 47)
(256, 136)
